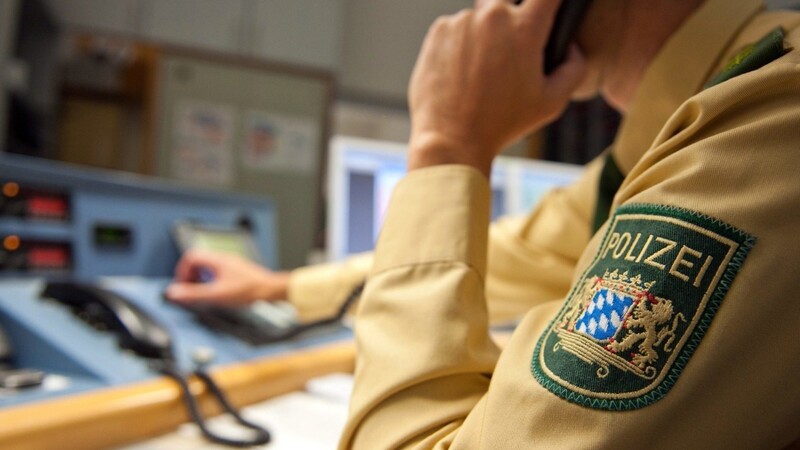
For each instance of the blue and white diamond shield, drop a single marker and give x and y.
(604, 314)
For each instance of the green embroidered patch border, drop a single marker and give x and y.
(633, 321)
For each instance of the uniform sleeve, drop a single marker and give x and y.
(680, 332)
(532, 258)
(318, 291)
(422, 332)
(548, 242)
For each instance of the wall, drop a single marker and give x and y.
(305, 32)
(381, 41)
(372, 44)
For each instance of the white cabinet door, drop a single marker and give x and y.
(206, 24)
(305, 32)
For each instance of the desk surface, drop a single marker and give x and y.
(114, 417)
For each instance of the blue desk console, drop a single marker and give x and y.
(57, 219)
(113, 230)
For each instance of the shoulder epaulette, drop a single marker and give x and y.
(752, 57)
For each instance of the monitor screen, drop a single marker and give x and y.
(362, 176)
(531, 179)
(235, 240)
(363, 173)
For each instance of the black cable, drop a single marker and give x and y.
(261, 435)
(167, 366)
(303, 327)
(219, 318)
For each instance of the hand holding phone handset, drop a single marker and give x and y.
(142, 334)
(479, 83)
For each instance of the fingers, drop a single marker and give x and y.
(191, 292)
(186, 269)
(477, 75)
(539, 16)
(535, 17)
(183, 270)
(482, 3)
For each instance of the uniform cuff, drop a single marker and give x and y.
(317, 292)
(437, 214)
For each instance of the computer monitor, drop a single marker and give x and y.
(233, 239)
(362, 174)
(529, 180)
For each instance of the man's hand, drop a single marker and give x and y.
(234, 280)
(479, 83)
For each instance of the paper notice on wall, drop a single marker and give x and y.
(203, 142)
(279, 143)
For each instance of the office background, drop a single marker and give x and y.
(105, 83)
(239, 98)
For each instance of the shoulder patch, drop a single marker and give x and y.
(637, 314)
(753, 57)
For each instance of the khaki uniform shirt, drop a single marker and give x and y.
(680, 329)
(531, 259)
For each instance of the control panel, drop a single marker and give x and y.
(27, 204)
(60, 220)
(85, 256)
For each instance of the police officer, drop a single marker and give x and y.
(657, 287)
(680, 327)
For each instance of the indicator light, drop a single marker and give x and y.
(11, 243)
(11, 189)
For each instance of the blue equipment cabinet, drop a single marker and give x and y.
(59, 219)
(114, 229)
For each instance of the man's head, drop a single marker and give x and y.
(619, 39)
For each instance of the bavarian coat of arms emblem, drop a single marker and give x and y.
(635, 317)
(633, 327)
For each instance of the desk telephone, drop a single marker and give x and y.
(146, 337)
(104, 309)
(261, 323)
(142, 334)
(254, 325)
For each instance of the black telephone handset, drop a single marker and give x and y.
(137, 330)
(568, 19)
(141, 333)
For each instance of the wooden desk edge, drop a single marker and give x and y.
(118, 416)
